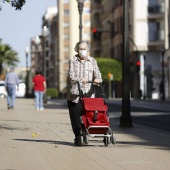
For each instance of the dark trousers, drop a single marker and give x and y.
(75, 112)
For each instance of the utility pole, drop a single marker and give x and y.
(125, 119)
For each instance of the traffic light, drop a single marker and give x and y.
(96, 34)
(138, 66)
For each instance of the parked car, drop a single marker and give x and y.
(3, 93)
(22, 90)
(20, 93)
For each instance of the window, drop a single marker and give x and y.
(46, 53)
(65, 1)
(66, 36)
(87, 23)
(46, 43)
(87, 36)
(66, 24)
(86, 10)
(66, 12)
(97, 18)
(97, 1)
(66, 49)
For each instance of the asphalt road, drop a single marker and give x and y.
(153, 114)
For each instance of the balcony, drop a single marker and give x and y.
(156, 38)
(96, 8)
(156, 12)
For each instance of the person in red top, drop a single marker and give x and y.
(39, 86)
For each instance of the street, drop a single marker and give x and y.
(149, 113)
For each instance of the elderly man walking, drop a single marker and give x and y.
(11, 80)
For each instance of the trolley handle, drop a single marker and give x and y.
(93, 82)
(90, 82)
(81, 93)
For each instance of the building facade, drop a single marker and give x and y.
(44, 48)
(51, 52)
(68, 31)
(148, 40)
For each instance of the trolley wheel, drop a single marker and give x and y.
(85, 136)
(86, 139)
(106, 141)
(112, 139)
(82, 140)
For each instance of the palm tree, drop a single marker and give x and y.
(8, 56)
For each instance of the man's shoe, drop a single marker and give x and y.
(12, 107)
(9, 107)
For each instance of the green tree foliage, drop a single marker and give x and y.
(17, 4)
(108, 65)
(7, 56)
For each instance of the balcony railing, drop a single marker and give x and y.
(156, 9)
(156, 36)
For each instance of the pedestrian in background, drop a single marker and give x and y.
(11, 80)
(39, 86)
(82, 68)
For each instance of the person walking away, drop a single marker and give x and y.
(39, 86)
(82, 68)
(11, 80)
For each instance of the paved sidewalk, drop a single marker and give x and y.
(43, 140)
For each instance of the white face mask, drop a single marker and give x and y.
(83, 53)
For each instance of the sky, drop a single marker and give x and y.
(17, 27)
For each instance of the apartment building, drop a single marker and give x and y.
(44, 48)
(52, 52)
(68, 32)
(148, 40)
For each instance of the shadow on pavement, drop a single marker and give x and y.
(45, 141)
(149, 136)
(55, 142)
(56, 104)
(8, 127)
(147, 139)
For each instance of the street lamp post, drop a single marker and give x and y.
(163, 77)
(144, 90)
(125, 119)
(44, 34)
(80, 9)
(37, 41)
(26, 54)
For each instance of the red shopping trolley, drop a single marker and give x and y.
(95, 118)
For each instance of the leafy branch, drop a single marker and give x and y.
(17, 4)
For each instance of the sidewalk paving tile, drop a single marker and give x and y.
(36, 140)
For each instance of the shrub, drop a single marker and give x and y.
(108, 65)
(52, 92)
